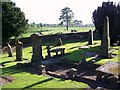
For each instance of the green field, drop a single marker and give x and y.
(27, 80)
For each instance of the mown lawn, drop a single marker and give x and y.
(27, 80)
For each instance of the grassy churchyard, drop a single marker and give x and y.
(25, 80)
(40, 52)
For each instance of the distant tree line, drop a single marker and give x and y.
(75, 23)
(113, 12)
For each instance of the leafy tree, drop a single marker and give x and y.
(77, 22)
(66, 16)
(113, 13)
(13, 21)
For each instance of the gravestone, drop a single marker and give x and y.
(105, 43)
(9, 49)
(19, 50)
(59, 42)
(37, 47)
(90, 40)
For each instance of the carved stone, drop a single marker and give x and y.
(18, 51)
(90, 40)
(37, 47)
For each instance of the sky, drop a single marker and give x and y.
(48, 11)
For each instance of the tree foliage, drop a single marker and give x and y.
(66, 16)
(13, 21)
(113, 12)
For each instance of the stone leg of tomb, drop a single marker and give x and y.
(48, 51)
(56, 53)
(62, 52)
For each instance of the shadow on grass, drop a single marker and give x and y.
(7, 62)
(40, 82)
(11, 70)
(77, 55)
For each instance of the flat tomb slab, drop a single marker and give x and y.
(110, 68)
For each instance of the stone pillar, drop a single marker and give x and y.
(9, 49)
(105, 43)
(19, 50)
(37, 48)
(90, 40)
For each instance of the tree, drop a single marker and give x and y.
(77, 23)
(14, 22)
(66, 16)
(113, 13)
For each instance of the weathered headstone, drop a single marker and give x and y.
(105, 43)
(10, 52)
(59, 42)
(90, 40)
(19, 50)
(37, 48)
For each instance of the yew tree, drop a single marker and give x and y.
(14, 22)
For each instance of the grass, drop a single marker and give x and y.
(26, 80)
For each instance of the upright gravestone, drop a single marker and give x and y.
(90, 41)
(59, 42)
(37, 47)
(105, 43)
(9, 49)
(19, 50)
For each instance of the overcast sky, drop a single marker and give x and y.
(48, 11)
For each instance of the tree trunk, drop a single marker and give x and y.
(67, 24)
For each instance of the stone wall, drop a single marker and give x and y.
(69, 36)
